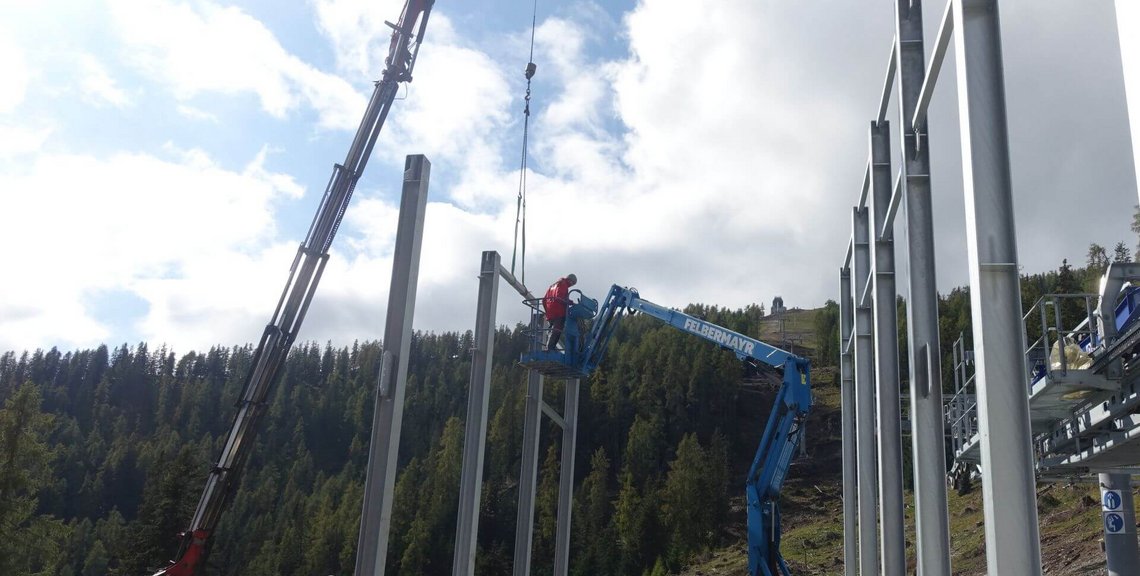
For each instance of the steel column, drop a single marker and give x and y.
(847, 423)
(1119, 515)
(865, 399)
(524, 526)
(1128, 25)
(475, 436)
(380, 478)
(566, 479)
(1012, 534)
(886, 356)
(932, 521)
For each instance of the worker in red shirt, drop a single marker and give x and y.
(554, 304)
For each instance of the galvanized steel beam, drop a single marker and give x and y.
(892, 207)
(930, 78)
(847, 423)
(553, 415)
(566, 479)
(866, 186)
(380, 478)
(532, 420)
(932, 522)
(868, 475)
(888, 84)
(1128, 26)
(886, 357)
(475, 436)
(1012, 534)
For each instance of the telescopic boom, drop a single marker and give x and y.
(304, 274)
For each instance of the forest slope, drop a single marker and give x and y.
(104, 452)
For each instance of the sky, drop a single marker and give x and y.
(161, 160)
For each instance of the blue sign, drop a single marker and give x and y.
(1112, 500)
(1113, 523)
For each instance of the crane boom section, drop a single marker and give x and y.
(304, 275)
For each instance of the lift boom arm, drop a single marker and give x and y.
(782, 434)
(304, 274)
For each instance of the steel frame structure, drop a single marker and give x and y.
(1003, 404)
(475, 438)
(989, 415)
(871, 419)
(1082, 415)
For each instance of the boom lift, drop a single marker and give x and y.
(304, 274)
(782, 435)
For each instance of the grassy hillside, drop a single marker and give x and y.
(813, 510)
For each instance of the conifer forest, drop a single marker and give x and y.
(103, 451)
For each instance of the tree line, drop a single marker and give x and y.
(954, 320)
(104, 453)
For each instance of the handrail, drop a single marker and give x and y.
(1037, 354)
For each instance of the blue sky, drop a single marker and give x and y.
(161, 159)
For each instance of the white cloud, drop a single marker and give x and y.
(97, 86)
(713, 163)
(14, 71)
(640, 177)
(20, 140)
(196, 113)
(225, 299)
(457, 113)
(725, 119)
(361, 37)
(140, 224)
(357, 31)
(201, 47)
(353, 296)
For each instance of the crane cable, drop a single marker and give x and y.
(520, 203)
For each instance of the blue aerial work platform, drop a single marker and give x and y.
(582, 350)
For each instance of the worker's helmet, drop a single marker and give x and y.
(572, 278)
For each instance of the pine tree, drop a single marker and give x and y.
(97, 560)
(1072, 310)
(644, 447)
(717, 480)
(593, 528)
(1095, 264)
(31, 543)
(629, 519)
(827, 334)
(684, 508)
(1097, 257)
(1120, 253)
(546, 511)
(168, 500)
(1136, 224)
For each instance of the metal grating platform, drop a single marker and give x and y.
(1113, 448)
(1057, 395)
(1083, 420)
(551, 365)
(1098, 436)
(1098, 417)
